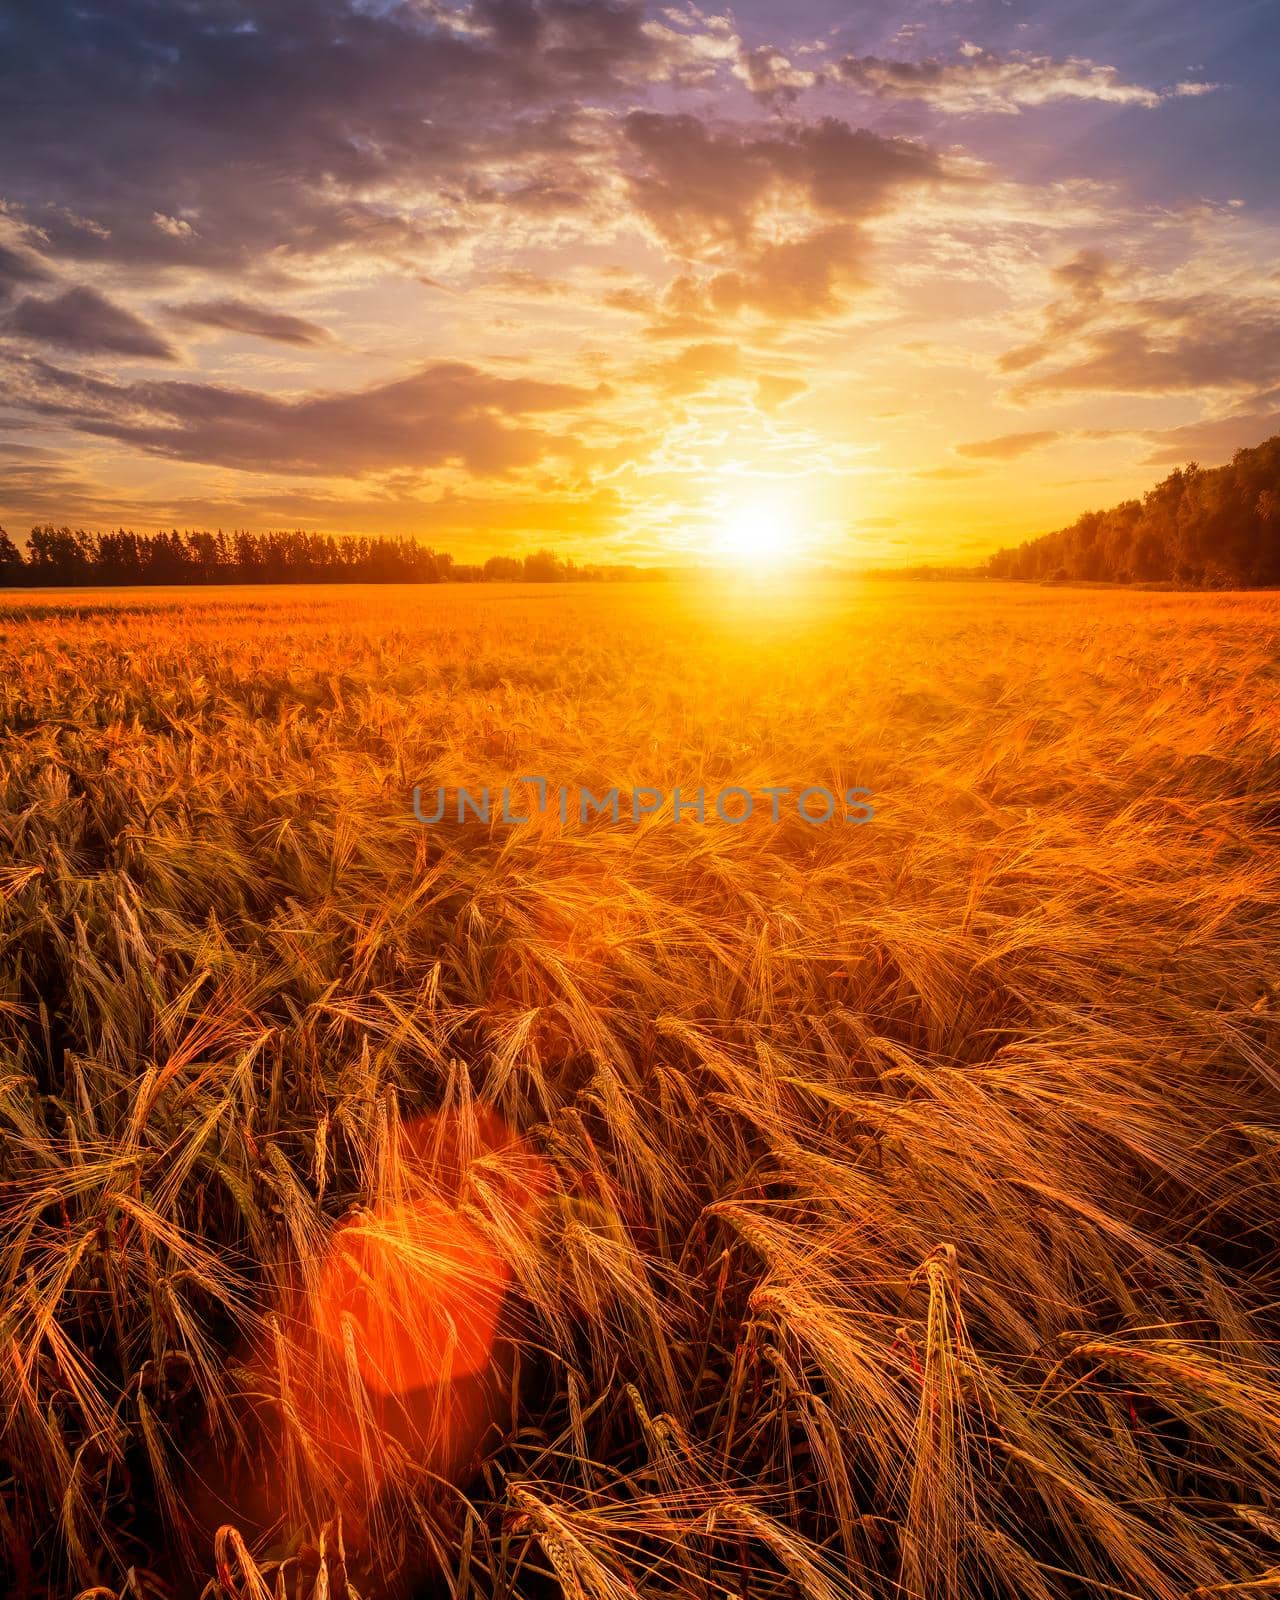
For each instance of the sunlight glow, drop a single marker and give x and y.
(759, 534)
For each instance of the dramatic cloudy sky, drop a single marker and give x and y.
(925, 275)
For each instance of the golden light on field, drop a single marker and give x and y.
(617, 1208)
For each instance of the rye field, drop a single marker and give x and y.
(595, 1210)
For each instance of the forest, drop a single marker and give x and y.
(1212, 528)
(56, 557)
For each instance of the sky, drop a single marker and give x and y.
(907, 281)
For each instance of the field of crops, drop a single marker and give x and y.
(640, 1209)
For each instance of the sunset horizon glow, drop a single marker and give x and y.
(506, 274)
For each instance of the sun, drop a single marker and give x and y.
(759, 534)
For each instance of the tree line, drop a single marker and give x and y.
(72, 556)
(1216, 528)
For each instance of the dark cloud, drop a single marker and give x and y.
(701, 187)
(214, 132)
(1086, 277)
(1168, 350)
(82, 319)
(446, 414)
(1007, 446)
(18, 270)
(709, 191)
(1099, 335)
(240, 316)
(1157, 346)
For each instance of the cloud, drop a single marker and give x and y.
(310, 126)
(1173, 348)
(239, 316)
(984, 81)
(769, 221)
(18, 269)
(771, 76)
(446, 414)
(697, 367)
(794, 279)
(1007, 446)
(790, 280)
(174, 227)
(82, 319)
(701, 186)
(1086, 280)
(1086, 277)
(1213, 440)
(1158, 344)
(550, 164)
(774, 390)
(41, 485)
(523, 283)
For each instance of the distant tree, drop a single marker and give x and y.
(543, 566)
(57, 555)
(12, 566)
(72, 556)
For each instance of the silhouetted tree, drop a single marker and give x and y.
(543, 566)
(12, 566)
(71, 556)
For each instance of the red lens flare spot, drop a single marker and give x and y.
(417, 1291)
(387, 1359)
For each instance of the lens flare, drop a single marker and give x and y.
(385, 1362)
(416, 1291)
